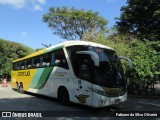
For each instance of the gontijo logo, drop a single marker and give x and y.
(24, 73)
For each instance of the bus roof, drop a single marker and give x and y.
(61, 45)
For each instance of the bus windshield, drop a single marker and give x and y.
(109, 73)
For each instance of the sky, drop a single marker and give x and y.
(22, 20)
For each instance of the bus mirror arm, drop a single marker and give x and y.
(93, 55)
(129, 61)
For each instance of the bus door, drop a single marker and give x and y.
(83, 84)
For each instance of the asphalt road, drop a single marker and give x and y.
(11, 100)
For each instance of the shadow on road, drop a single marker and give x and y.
(50, 107)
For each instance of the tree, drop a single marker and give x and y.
(73, 23)
(10, 51)
(140, 18)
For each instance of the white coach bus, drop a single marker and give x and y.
(73, 71)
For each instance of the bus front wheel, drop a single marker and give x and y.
(63, 96)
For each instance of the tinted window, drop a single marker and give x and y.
(47, 60)
(15, 66)
(28, 63)
(59, 59)
(56, 58)
(81, 66)
(22, 65)
(18, 65)
(37, 62)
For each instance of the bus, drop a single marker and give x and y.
(73, 71)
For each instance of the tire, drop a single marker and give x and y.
(21, 88)
(63, 96)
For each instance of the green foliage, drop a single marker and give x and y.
(10, 51)
(145, 59)
(72, 23)
(140, 18)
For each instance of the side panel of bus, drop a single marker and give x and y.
(48, 80)
(22, 76)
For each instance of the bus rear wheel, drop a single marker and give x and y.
(63, 96)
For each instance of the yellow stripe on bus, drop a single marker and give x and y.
(31, 55)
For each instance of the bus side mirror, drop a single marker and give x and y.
(93, 55)
(127, 59)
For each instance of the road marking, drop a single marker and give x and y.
(149, 103)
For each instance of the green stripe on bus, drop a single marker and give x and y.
(44, 77)
(36, 77)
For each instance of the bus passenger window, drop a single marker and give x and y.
(83, 69)
(29, 64)
(22, 65)
(46, 60)
(81, 66)
(18, 66)
(15, 66)
(60, 59)
(36, 62)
